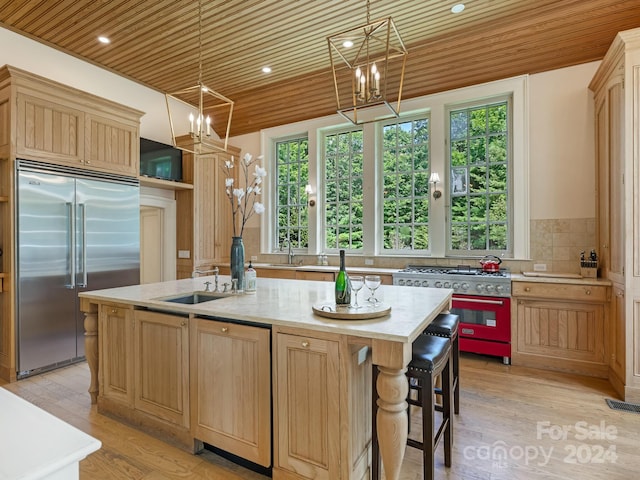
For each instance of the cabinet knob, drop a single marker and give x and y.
(114, 310)
(305, 344)
(620, 293)
(588, 292)
(527, 289)
(183, 323)
(224, 329)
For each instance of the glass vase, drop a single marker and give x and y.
(237, 262)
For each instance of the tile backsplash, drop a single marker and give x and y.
(557, 243)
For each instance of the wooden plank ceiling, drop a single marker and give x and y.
(157, 43)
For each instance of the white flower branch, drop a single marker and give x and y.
(244, 200)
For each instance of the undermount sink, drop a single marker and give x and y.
(194, 298)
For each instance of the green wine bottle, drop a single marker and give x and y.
(343, 286)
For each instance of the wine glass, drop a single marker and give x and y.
(357, 282)
(372, 282)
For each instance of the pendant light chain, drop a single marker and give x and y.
(200, 41)
(368, 16)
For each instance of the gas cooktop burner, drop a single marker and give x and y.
(459, 270)
(463, 279)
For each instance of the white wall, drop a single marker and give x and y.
(562, 155)
(561, 151)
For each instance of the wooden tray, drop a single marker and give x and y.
(365, 311)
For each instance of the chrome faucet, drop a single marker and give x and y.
(290, 253)
(215, 271)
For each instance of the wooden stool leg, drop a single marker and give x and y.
(428, 420)
(446, 412)
(456, 375)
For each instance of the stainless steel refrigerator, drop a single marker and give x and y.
(76, 231)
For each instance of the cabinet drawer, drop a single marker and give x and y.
(561, 291)
(320, 276)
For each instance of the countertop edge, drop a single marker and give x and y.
(227, 308)
(519, 277)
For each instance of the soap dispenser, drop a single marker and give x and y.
(250, 279)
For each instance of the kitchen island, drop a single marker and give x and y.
(202, 372)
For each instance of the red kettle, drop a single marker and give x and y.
(490, 263)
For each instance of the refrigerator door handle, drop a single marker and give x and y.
(83, 221)
(71, 243)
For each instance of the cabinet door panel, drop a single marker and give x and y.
(573, 331)
(116, 333)
(307, 411)
(618, 346)
(231, 388)
(161, 366)
(111, 145)
(49, 131)
(616, 178)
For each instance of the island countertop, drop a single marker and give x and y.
(288, 303)
(286, 306)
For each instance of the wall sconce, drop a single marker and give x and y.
(309, 191)
(434, 179)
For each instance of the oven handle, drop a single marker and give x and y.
(479, 300)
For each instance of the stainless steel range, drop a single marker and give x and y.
(461, 279)
(480, 298)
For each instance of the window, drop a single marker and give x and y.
(479, 216)
(405, 156)
(292, 165)
(371, 182)
(343, 160)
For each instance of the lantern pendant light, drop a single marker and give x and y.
(368, 65)
(196, 108)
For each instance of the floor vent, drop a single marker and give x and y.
(623, 406)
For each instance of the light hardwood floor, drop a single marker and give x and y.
(514, 423)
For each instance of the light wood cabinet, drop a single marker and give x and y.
(7, 325)
(115, 333)
(617, 338)
(144, 371)
(561, 327)
(111, 145)
(308, 433)
(275, 273)
(204, 218)
(231, 388)
(312, 438)
(318, 276)
(616, 90)
(161, 366)
(49, 131)
(58, 124)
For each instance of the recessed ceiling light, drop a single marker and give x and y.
(103, 39)
(347, 44)
(266, 69)
(457, 8)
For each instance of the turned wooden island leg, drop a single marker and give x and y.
(91, 351)
(391, 420)
(392, 387)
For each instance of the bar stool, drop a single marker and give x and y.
(446, 325)
(431, 357)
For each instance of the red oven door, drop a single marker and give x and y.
(483, 318)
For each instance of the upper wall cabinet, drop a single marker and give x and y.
(58, 124)
(49, 131)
